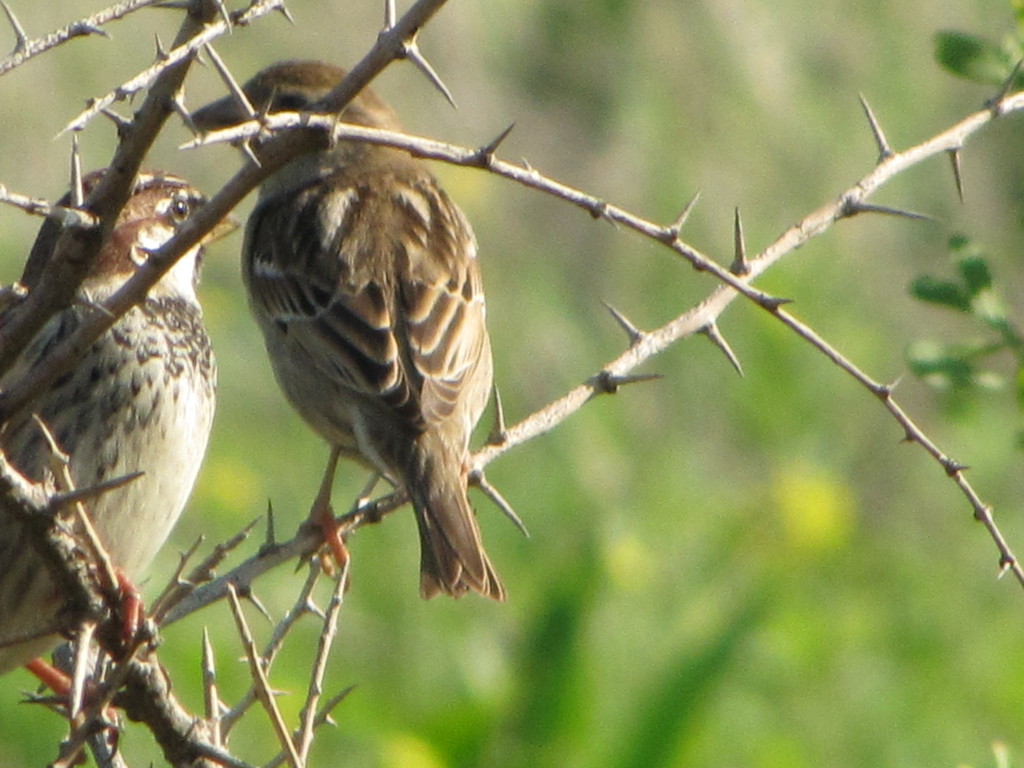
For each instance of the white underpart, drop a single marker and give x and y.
(179, 280)
(365, 442)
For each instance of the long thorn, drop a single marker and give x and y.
(21, 39)
(480, 481)
(955, 159)
(161, 52)
(77, 190)
(60, 500)
(853, 208)
(498, 432)
(712, 331)
(283, 10)
(225, 15)
(230, 82)
(121, 124)
(635, 334)
(884, 150)
(486, 152)
(995, 103)
(210, 696)
(608, 383)
(739, 262)
(412, 53)
(677, 225)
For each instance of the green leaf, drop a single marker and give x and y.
(976, 274)
(959, 242)
(972, 57)
(941, 292)
(941, 368)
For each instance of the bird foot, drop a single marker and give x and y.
(336, 557)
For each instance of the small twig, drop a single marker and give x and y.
(172, 58)
(263, 691)
(211, 698)
(179, 587)
(323, 718)
(92, 25)
(97, 550)
(69, 217)
(307, 717)
(302, 606)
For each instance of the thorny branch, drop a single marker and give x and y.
(25, 49)
(644, 345)
(140, 685)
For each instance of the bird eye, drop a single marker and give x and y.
(290, 102)
(180, 208)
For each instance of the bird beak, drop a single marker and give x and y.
(222, 229)
(222, 113)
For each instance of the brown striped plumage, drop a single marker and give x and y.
(140, 400)
(364, 278)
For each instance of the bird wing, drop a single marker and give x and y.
(379, 285)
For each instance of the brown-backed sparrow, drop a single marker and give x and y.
(140, 400)
(363, 276)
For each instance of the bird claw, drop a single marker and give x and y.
(130, 614)
(336, 557)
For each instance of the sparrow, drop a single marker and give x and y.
(140, 400)
(364, 279)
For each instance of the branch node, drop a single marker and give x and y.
(883, 391)
(251, 597)
(484, 156)
(121, 124)
(91, 29)
(951, 466)
(1006, 564)
(851, 207)
(772, 303)
(608, 383)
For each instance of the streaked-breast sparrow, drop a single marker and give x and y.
(363, 276)
(141, 399)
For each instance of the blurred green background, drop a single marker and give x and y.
(722, 570)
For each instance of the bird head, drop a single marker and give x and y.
(159, 204)
(296, 86)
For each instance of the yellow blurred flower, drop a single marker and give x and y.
(815, 508)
